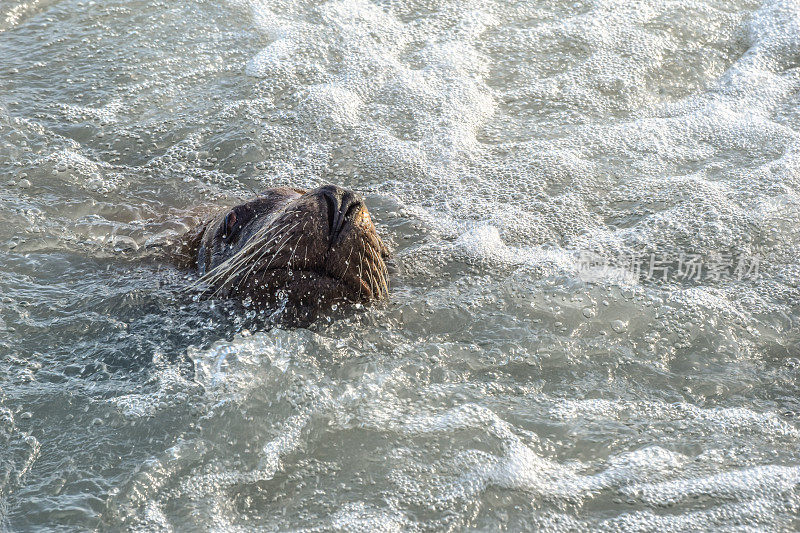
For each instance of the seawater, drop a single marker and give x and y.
(509, 383)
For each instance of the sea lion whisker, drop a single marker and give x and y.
(223, 268)
(360, 278)
(258, 235)
(380, 269)
(262, 251)
(275, 254)
(233, 263)
(373, 285)
(372, 273)
(385, 275)
(256, 240)
(289, 262)
(347, 261)
(233, 271)
(379, 265)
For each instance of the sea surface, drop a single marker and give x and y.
(594, 211)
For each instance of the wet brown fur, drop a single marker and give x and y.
(301, 252)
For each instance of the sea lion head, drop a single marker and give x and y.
(305, 251)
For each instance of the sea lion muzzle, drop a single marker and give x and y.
(340, 204)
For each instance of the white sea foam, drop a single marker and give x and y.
(505, 383)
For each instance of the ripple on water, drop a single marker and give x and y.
(505, 383)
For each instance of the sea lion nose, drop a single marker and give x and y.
(342, 204)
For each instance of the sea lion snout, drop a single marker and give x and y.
(341, 204)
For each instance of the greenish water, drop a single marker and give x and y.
(594, 210)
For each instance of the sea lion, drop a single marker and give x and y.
(296, 251)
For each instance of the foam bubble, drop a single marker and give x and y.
(741, 484)
(333, 102)
(273, 60)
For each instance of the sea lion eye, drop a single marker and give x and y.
(228, 226)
